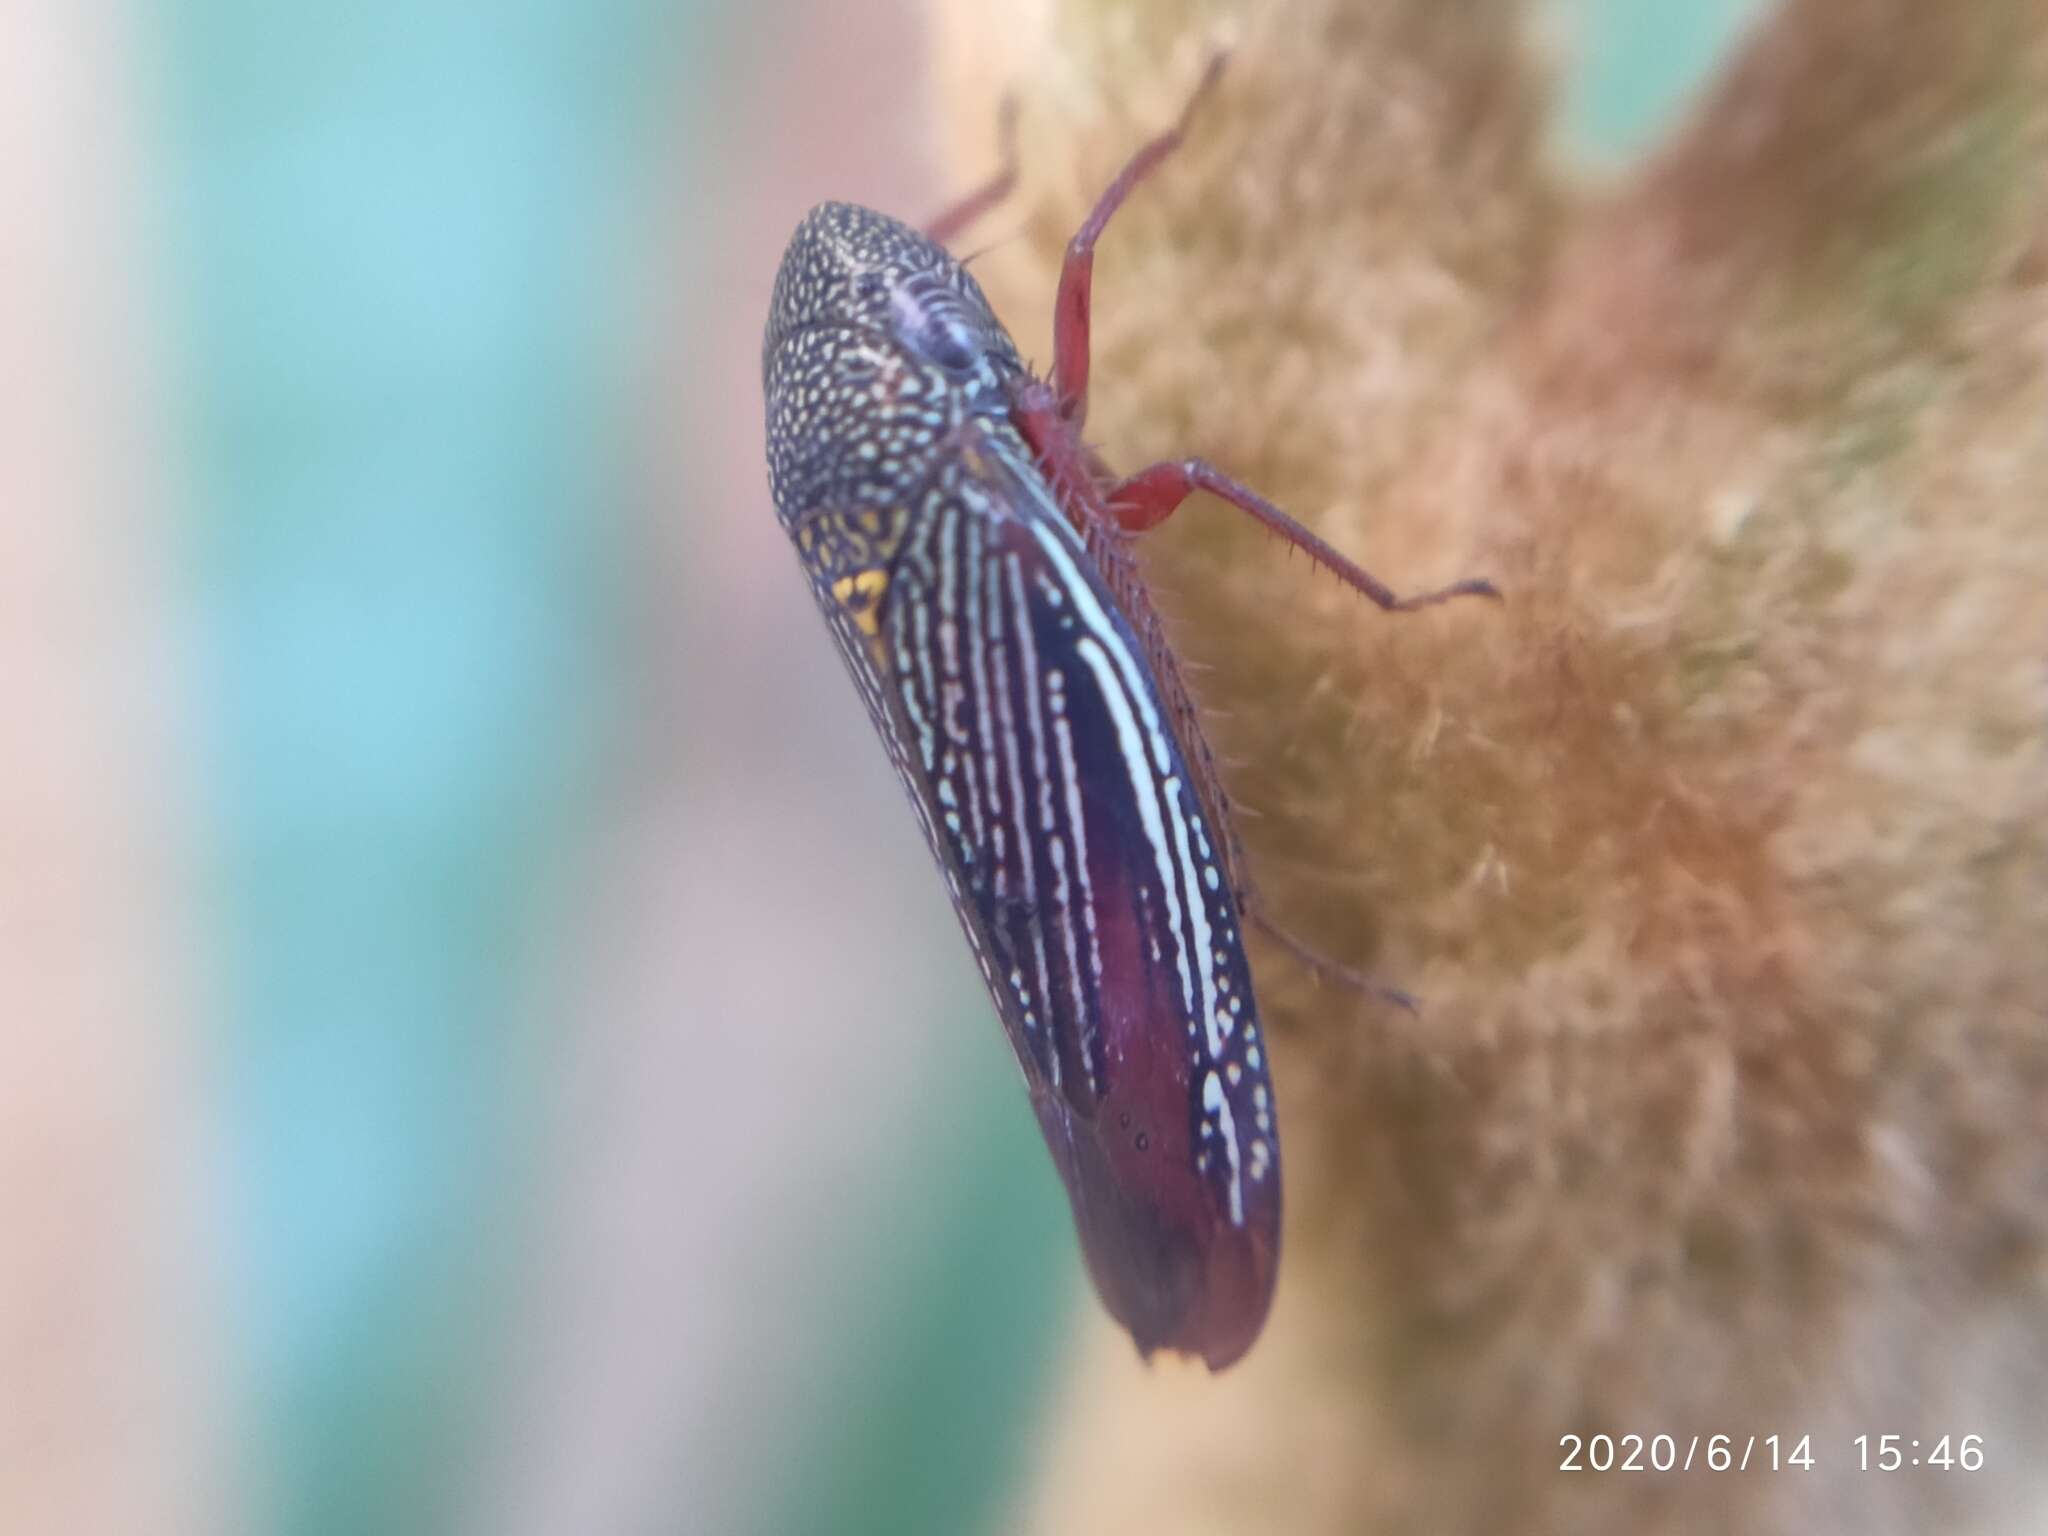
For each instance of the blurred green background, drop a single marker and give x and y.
(588, 1117)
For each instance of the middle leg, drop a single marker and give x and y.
(1148, 498)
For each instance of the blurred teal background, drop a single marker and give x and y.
(409, 253)
(1631, 65)
(612, 1132)
(394, 242)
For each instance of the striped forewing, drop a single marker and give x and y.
(1056, 792)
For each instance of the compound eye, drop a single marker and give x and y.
(942, 342)
(929, 321)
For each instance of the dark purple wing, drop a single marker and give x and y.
(1094, 891)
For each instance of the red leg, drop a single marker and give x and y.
(1077, 274)
(1149, 497)
(991, 192)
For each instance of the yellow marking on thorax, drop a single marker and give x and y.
(860, 594)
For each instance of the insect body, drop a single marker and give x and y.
(968, 553)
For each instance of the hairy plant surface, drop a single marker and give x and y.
(1718, 853)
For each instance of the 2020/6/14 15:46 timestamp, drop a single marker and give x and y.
(1889, 1453)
